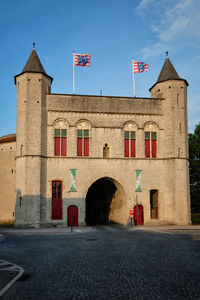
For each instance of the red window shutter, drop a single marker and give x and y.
(126, 148)
(64, 146)
(147, 148)
(153, 148)
(132, 148)
(86, 146)
(57, 146)
(79, 146)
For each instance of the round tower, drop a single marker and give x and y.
(173, 90)
(174, 142)
(32, 85)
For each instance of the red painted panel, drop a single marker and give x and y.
(64, 146)
(86, 146)
(57, 146)
(79, 146)
(132, 148)
(153, 148)
(140, 214)
(57, 200)
(126, 147)
(72, 215)
(147, 148)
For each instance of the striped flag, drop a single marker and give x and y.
(83, 60)
(139, 67)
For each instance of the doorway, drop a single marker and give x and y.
(57, 200)
(138, 215)
(105, 202)
(72, 215)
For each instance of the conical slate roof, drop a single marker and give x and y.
(168, 72)
(33, 65)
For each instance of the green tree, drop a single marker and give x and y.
(194, 159)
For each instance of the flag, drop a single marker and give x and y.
(83, 60)
(73, 180)
(139, 67)
(138, 180)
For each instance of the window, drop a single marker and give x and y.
(129, 143)
(82, 142)
(83, 137)
(60, 142)
(154, 204)
(150, 144)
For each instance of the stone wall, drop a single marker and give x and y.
(106, 118)
(105, 128)
(165, 175)
(103, 104)
(7, 182)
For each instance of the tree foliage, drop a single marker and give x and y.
(194, 159)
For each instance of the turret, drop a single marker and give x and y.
(173, 90)
(174, 140)
(32, 85)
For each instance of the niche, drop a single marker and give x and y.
(106, 151)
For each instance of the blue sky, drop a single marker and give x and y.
(112, 31)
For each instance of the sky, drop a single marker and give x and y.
(112, 31)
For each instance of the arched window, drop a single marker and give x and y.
(151, 129)
(60, 137)
(130, 129)
(83, 138)
(154, 204)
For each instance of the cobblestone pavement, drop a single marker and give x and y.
(108, 262)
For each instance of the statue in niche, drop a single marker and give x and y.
(106, 151)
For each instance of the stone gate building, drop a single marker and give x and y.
(91, 159)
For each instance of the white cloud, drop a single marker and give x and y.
(171, 21)
(144, 4)
(154, 49)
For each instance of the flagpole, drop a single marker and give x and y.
(73, 75)
(133, 77)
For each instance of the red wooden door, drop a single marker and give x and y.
(138, 211)
(57, 200)
(72, 215)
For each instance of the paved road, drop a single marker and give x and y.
(105, 263)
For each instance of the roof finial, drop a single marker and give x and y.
(167, 53)
(33, 45)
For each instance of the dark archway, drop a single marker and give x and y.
(105, 202)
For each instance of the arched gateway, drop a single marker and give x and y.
(105, 202)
